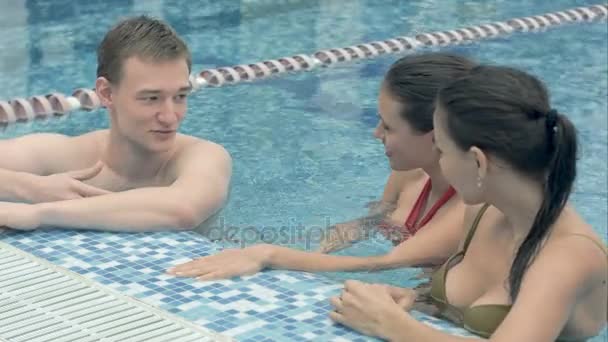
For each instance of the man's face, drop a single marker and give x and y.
(150, 101)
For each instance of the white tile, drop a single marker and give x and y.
(339, 339)
(286, 278)
(309, 336)
(244, 328)
(188, 306)
(229, 294)
(305, 315)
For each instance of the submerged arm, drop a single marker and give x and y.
(344, 234)
(286, 258)
(434, 243)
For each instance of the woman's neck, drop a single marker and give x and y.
(439, 184)
(518, 198)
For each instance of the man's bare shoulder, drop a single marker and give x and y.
(199, 161)
(191, 144)
(193, 150)
(79, 151)
(63, 140)
(47, 153)
(96, 138)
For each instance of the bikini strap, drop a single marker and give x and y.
(474, 227)
(595, 242)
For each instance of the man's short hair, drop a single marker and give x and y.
(142, 36)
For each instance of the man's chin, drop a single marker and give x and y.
(160, 147)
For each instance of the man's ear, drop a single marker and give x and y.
(103, 88)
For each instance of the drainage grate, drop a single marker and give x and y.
(40, 302)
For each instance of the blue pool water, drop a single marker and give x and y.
(303, 152)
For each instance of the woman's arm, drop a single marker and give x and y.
(237, 262)
(343, 234)
(564, 272)
(372, 310)
(433, 244)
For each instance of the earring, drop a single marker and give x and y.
(479, 183)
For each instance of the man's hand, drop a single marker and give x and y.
(63, 186)
(19, 216)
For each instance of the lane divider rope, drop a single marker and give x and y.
(56, 104)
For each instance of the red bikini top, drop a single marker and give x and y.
(413, 222)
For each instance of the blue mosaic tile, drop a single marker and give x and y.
(283, 305)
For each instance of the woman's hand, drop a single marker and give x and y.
(226, 264)
(372, 309)
(405, 298)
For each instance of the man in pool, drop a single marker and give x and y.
(138, 175)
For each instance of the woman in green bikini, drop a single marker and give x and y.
(529, 267)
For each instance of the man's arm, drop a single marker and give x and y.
(11, 186)
(38, 153)
(26, 161)
(203, 172)
(18, 160)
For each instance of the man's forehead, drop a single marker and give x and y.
(149, 77)
(143, 67)
(164, 89)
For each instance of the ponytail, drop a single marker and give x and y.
(557, 187)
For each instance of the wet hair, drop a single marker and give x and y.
(141, 36)
(506, 113)
(415, 80)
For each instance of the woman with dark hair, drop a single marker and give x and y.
(420, 212)
(529, 267)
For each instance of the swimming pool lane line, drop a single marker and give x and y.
(226, 75)
(57, 105)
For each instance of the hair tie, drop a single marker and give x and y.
(551, 120)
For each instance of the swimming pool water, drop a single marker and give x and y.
(302, 145)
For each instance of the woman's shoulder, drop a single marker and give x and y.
(574, 244)
(572, 235)
(400, 180)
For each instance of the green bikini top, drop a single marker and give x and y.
(481, 320)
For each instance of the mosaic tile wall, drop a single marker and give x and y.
(269, 306)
